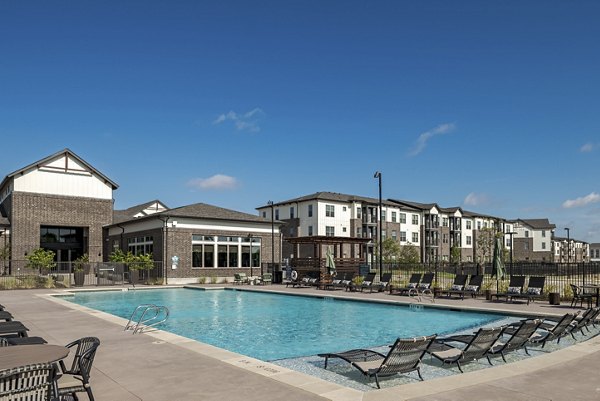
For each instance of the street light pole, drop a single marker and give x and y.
(512, 246)
(250, 238)
(568, 244)
(378, 175)
(272, 238)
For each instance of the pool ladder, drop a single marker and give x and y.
(150, 315)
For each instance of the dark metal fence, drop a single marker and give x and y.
(558, 275)
(65, 274)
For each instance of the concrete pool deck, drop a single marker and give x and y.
(159, 366)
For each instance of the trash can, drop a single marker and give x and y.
(277, 277)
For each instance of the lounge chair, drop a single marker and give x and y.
(458, 286)
(535, 290)
(6, 316)
(424, 286)
(518, 337)
(413, 283)
(13, 329)
(240, 278)
(266, 278)
(515, 287)
(31, 382)
(579, 296)
(477, 347)
(553, 331)
(404, 356)
(582, 322)
(383, 283)
(367, 282)
(77, 378)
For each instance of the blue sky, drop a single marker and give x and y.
(492, 106)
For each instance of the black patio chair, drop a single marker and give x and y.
(76, 378)
(31, 383)
(476, 347)
(535, 290)
(404, 356)
(579, 296)
(554, 331)
(515, 287)
(458, 286)
(518, 337)
(413, 282)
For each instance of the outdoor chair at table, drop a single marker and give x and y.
(76, 378)
(579, 296)
(28, 383)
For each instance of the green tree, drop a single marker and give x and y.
(4, 255)
(390, 250)
(485, 244)
(41, 260)
(409, 254)
(455, 255)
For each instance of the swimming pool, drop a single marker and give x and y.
(271, 326)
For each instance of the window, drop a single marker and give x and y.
(508, 242)
(485, 224)
(309, 210)
(344, 229)
(394, 235)
(468, 224)
(445, 238)
(543, 245)
(383, 215)
(140, 245)
(469, 258)
(402, 236)
(415, 237)
(383, 234)
(292, 212)
(526, 234)
(310, 231)
(330, 231)
(344, 209)
(479, 225)
(415, 219)
(276, 214)
(329, 210)
(444, 222)
(230, 251)
(526, 246)
(358, 232)
(264, 215)
(358, 213)
(393, 217)
(469, 240)
(403, 218)
(543, 234)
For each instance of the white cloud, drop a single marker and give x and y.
(474, 199)
(217, 181)
(426, 136)
(243, 122)
(588, 147)
(581, 201)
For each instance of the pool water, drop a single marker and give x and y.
(271, 326)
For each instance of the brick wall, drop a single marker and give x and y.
(30, 211)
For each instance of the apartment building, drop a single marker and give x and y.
(570, 250)
(342, 218)
(594, 252)
(532, 240)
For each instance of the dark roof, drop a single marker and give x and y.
(416, 205)
(120, 216)
(555, 238)
(333, 196)
(55, 155)
(468, 213)
(538, 224)
(202, 211)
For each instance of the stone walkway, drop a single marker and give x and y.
(160, 366)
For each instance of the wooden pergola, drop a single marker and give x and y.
(316, 263)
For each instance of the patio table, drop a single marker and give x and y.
(21, 355)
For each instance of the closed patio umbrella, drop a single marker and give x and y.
(329, 262)
(497, 263)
